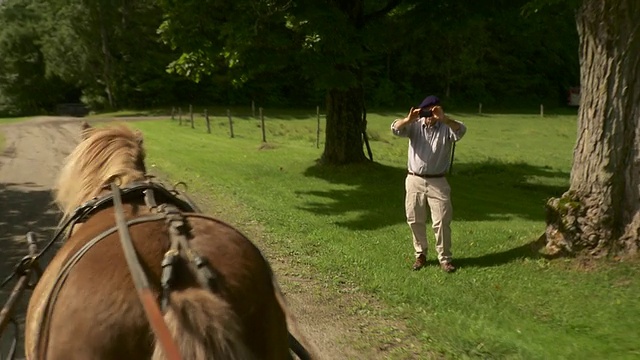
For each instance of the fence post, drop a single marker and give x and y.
(480, 108)
(541, 110)
(318, 128)
(173, 113)
(206, 118)
(264, 134)
(253, 109)
(230, 122)
(180, 116)
(191, 115)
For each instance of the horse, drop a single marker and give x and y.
(85, 304)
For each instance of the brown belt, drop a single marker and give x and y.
(427, 176)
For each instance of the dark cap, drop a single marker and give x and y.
(429, 101)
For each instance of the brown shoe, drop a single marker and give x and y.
(421, 261)
(447, 266)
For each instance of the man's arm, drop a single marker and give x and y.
(399, 125)
(458, 128)
(454, 125)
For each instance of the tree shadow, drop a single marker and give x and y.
(484, 191)
(23, 207)
(531, 250)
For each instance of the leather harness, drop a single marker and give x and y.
(171, 211)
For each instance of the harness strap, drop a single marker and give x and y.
(179, 232)
(81, 213)
(141, 282)
(170, 259)
(150, 198)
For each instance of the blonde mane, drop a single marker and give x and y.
(113, 153)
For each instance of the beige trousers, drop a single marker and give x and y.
(433, 193)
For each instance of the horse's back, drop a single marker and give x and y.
(96, 313)
(247, 278)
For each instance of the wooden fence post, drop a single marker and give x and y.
(230, 122)
(318, 128)
(191, 115)
(541, 110)
(180, 116)
(206, 118)
(264, 134)
(173, 113)
(253, 108)
(480, 108)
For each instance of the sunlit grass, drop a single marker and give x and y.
(347, 226)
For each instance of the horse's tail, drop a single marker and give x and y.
(204, 326)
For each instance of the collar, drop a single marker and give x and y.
(435, 125)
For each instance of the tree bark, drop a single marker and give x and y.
(107, 56)
(343, 138)
(600, 214)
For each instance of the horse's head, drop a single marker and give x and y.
(106, 154)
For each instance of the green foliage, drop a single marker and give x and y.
(283, 53)
(345, 227)
(490, 54)
(24, 88)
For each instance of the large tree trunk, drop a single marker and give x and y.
(599, 215)
(344, 127)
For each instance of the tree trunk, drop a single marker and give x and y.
(600, 214)
(343, 138)
(107, 56)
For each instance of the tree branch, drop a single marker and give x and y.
(382, 12)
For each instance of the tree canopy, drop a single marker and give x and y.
(112, 53)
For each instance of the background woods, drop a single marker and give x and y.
(109, 54)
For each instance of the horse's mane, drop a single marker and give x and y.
(107, 154)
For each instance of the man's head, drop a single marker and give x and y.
(429, 102)
(427, 105)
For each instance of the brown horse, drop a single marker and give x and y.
(85, 305)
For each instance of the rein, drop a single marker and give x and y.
(142, 283)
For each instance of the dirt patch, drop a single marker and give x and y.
(343, 324)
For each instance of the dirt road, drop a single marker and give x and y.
(33, 154)
(29, 163)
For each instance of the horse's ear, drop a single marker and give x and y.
(139, 137)
(86, 130)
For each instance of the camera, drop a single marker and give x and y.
(426, 113)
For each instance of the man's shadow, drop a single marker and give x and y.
(530, 250)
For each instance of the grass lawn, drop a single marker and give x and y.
(346, 226)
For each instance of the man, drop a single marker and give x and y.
(431, 136)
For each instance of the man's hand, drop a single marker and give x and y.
(414, 114)
(438, 113)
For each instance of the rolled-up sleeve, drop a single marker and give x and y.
(404, 132)
(457, 135)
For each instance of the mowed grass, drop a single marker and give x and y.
(346, 227)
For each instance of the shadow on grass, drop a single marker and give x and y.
(484, 191)
(527, 251)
